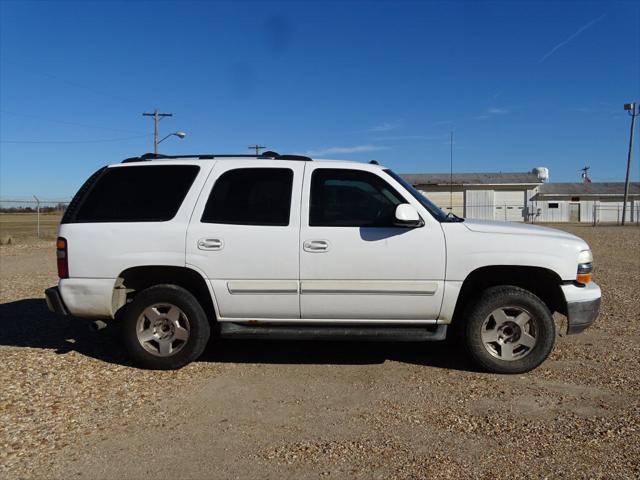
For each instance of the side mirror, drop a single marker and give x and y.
(407, 216)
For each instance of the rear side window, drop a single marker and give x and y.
(351, 198)
(70, 212)
(251, 196)
(151, 193)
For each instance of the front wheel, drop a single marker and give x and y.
(165, 328)
(509, 330)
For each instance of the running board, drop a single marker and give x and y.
(335, 333)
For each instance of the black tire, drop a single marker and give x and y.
(540, 326)
(192, 314)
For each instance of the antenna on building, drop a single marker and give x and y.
(585, 174)
(451, 174)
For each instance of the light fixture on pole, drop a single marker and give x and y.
(633, 110)
(180, 135)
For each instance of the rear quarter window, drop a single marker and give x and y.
(150, 193)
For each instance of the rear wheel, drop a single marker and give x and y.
(509, 330)
(165, 328)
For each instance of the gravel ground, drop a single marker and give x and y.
(72, 406)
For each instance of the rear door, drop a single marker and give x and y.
(354, 262)
(244, 236)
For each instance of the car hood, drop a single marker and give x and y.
(490, 226)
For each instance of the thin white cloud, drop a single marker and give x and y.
(345, 150)
(497, 111)
(392, 138)
(492, 112)
(385, 127)
(578, 32)
(583, 109)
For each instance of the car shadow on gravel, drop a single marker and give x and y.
(29, 323)
(431, 354)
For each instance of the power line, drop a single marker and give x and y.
(106, 140)
(64, 122)
(39, 71)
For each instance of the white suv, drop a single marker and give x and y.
(279, 246)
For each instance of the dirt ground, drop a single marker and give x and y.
(72, 407)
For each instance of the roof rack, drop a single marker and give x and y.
(209, 156)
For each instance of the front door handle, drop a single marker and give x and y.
(210, 244)
(315, 246)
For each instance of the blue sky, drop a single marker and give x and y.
(521, 84)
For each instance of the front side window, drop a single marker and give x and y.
(424, 201)
(149, 193)
(351, 198)
(251, 196)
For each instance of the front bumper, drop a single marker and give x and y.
(54, 301)
(583, 306)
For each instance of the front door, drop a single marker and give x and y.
(355, 264)
(574, 212)
(244, 236)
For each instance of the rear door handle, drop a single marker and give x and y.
(210, 244)
(315, 246)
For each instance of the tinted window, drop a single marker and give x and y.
(151, 193)
(424, 201)
(351, 198)
(251, 196)
(70, 212)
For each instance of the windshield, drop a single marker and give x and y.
(424, 201)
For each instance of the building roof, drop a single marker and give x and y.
(497, 178)
(587, 189)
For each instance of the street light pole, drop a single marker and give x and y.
(633, 110)
(156, 117)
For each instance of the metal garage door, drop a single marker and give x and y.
(444, 200)
(480, 204)
(509, 206)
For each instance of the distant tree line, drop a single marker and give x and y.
(59, 207)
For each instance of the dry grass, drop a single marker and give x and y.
(24, 226)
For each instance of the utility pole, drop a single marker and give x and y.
(257, 148)
(633, 110)
(156, 117)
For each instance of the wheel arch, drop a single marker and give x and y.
(542, 282)
(135, 279)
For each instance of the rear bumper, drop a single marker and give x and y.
(583, 306)
(54, 301)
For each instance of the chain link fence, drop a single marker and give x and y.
(585, 213)
(30, 218)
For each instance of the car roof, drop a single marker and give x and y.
(150, 158)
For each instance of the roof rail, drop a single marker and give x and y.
(209, 156)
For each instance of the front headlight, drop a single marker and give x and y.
(585, 267)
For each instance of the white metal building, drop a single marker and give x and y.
(599, 202)
(488, 196)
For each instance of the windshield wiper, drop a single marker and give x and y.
(452, 217)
